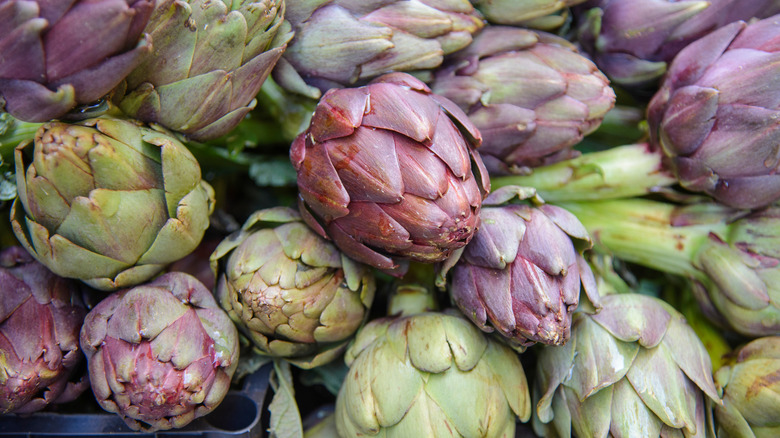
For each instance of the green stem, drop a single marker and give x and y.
(640, 231)
(293, 112)
(620, 172)
(13, 132)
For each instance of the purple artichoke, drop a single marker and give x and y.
(522, 273)
(40, 319)
(632, 41)
(338, 43)
(715, 116)
(530, 94)
(390, 171)
(160, 354)
(55, 55)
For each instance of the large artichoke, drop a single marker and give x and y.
(521, 274)
(207, 64)
(530, 94)
(108, 201)
(40, 319)
(632, 41)
(715, 115)
(291, 291)
(390, 171)
(634, 369)
(749, 387)
(160, 354)
(55, 55)
(430, 375)
(340, 42)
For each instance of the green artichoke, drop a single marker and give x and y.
(55, 55)
(539, 14)
(633, 369)
(531, 95)
(108, 201)
(209, 60)
(160, 354)
(338, 43)
(40, 319)
(749, 387)
(430, 375)
(289, 290)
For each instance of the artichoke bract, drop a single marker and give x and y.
(40, 319)
(632, 41)
(389, 171)
(160, 354)
(338, 43)
(57, 55)
(110, 202)
(749, 388)
(289, 290)
(209, 60)
(430, 374)
(635, 368)
(540, 14)
(714, 116)
(522, 273)
(530, 94)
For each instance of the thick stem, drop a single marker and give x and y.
(620, 172)
(640, 231)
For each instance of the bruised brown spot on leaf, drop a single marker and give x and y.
(761, 383)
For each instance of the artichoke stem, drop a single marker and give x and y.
(410, 299)
(12, 133)
(640, 231)
(620, 172)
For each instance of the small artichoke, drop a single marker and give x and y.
(160, 354)
(291, 291)
(55, 55)
(715, 115)
(749, 387)
(338, 43)
(40, 319)
(108, 201)
(522, 273)
(390, 171)
(530, 94)
(632, 41)
(430, 375)
(208, 62)
(634, 369)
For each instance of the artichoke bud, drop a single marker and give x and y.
(292, 293)
(108, 201)
(40, 319)
(522, 273)
(635, 368)
(430, 374)
(749, 387)
(160, 354)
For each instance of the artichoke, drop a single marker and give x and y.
(338, 43)
(107, 201)
(634, 369)
(632, 41)
(40, 319)
(749, 388)
(430, 375)
(540, 14)
(57, 55)
(208, 63)
(291, 291)
(390, 171)
(530, 94)
(521, 274)
(714, 116)
(160, 354)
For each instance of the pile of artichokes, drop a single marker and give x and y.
(435, 218)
